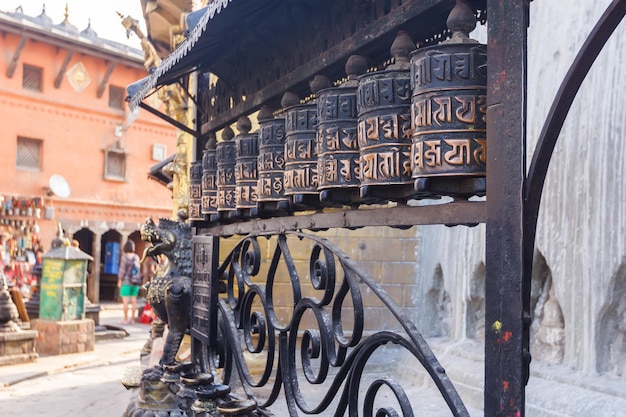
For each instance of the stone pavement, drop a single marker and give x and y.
(79, 384)
(89, 384)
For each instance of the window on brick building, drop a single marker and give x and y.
(115, 162)
(116, 97)
(28, 155)
(32, 77)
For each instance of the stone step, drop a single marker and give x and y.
(108, 332)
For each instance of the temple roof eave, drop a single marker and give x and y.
(57, 36)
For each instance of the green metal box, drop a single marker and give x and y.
(63, 284)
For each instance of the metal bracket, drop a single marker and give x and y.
(169, 120)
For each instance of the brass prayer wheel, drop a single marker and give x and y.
(448, 109)
(271, 163)
(246, 178)
(209, 178)
(195, 191)
(384, 128)
(301, 176)
(337, 143)
(226, 159)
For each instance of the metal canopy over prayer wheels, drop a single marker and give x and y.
(337, 144)
(448, 109)
(301, 176)
(384, 128)
(226, 159)
(195, 191)
(246, 178)
(209, 178)
(271, 163)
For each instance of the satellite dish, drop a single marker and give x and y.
(59, 186)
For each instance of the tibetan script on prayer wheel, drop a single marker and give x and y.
(209, 176)
(195, 191)
(226, 159)
(246, 175)
(301, 176)
(337, 144)
(384, 134)
(448, 110)
(271, 163)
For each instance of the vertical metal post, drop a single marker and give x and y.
(505, 328)
(205, 284)
(214, 260)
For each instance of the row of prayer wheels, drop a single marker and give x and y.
(416, 129)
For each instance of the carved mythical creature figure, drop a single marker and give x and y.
(169, 294)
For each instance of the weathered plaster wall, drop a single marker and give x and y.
(582, 225)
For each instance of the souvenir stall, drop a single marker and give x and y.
(19, 238)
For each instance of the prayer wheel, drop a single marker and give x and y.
(271, 163)
(226, 159)
(209, 177)
(301, 176)
(337, 144)
(195, 191)
(448, 111)
(384, 128)
(246, 178)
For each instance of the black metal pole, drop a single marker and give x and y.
(505, 327)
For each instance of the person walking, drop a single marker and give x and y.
(129, 266)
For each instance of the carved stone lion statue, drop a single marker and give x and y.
(169, 293)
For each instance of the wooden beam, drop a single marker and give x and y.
(462, 213)
(66, 62)
(105, 80)
(16, 57)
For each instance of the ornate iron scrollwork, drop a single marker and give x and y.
(316, 344)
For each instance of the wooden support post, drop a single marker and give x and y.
(105, 80)
(66, 62)
(16, 57)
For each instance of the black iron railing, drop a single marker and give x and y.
(315, 339)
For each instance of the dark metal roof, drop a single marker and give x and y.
(181, 57)
(160, 17)
(213, 34)
(258, 49)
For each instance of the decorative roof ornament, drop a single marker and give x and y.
(43, 18)
(65, 24)
(461, 22)
(150, 56)
(88, 31)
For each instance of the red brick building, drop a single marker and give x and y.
(72, 153)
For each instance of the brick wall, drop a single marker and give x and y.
(388, 255)
(61, 337)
